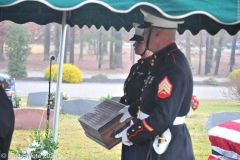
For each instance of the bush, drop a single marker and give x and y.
(17, 49)
(233, 85)
(71, 73)
(211, 81)
(99, 76)
(16, 100)
(40, 147)
(103, 98)
(52, 102)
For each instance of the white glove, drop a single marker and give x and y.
(126, 114)
(125, 140)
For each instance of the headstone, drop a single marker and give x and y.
(37, 99)
(117, 99)
(221, 117)
(30, 118)
(78, 106)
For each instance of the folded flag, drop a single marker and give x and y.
(225, 140)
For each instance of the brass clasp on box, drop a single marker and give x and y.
(160, 140)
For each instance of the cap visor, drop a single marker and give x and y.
(136, 38)
(145, 25)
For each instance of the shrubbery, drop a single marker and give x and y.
(211, 81)
(71, 73)
(17, 49)
(233, 85)
(103, 98)
(99, 76)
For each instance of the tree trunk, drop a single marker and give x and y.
(210, 55)
(57, 40)
(200, 54)
(232, 56)
(71, 45)
(104, 48)
(1, 52)
(118, 50)
(96, 45)
(188, 47)
(207, 55)
(112, 66)
(66, 47)
(100, 50)
(81, 45)
(3, 35)
(46, 42)
(218, 53)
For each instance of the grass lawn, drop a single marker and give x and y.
(74, 145)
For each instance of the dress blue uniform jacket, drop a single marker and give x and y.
(166, 94)
(132, 92)
(6, 123)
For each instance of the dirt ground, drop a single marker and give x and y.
(90, 64)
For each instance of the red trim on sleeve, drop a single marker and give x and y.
(149, 128)
(135, 133)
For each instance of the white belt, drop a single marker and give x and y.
(162, 147)
(177, 121)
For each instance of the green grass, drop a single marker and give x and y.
(74, 145)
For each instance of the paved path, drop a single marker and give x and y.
(123, 76)
(97, 90)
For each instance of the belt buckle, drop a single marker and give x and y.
(161, 139)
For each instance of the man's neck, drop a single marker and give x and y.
(162, 45)
(165, 38)
(147, 54)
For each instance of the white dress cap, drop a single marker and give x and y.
(157, 21)
(138, 33)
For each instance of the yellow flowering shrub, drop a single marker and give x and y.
(233, 85)
(235, 74)
(71, 73)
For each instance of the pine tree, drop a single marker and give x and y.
(17, 49)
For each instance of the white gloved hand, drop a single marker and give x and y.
(126, 114)
(125, 140)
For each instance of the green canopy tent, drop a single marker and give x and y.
(198, 15)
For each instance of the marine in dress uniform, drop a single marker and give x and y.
(134, 83)
(6, 124)
(160, 132)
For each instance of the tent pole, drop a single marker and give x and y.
(59, 78)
